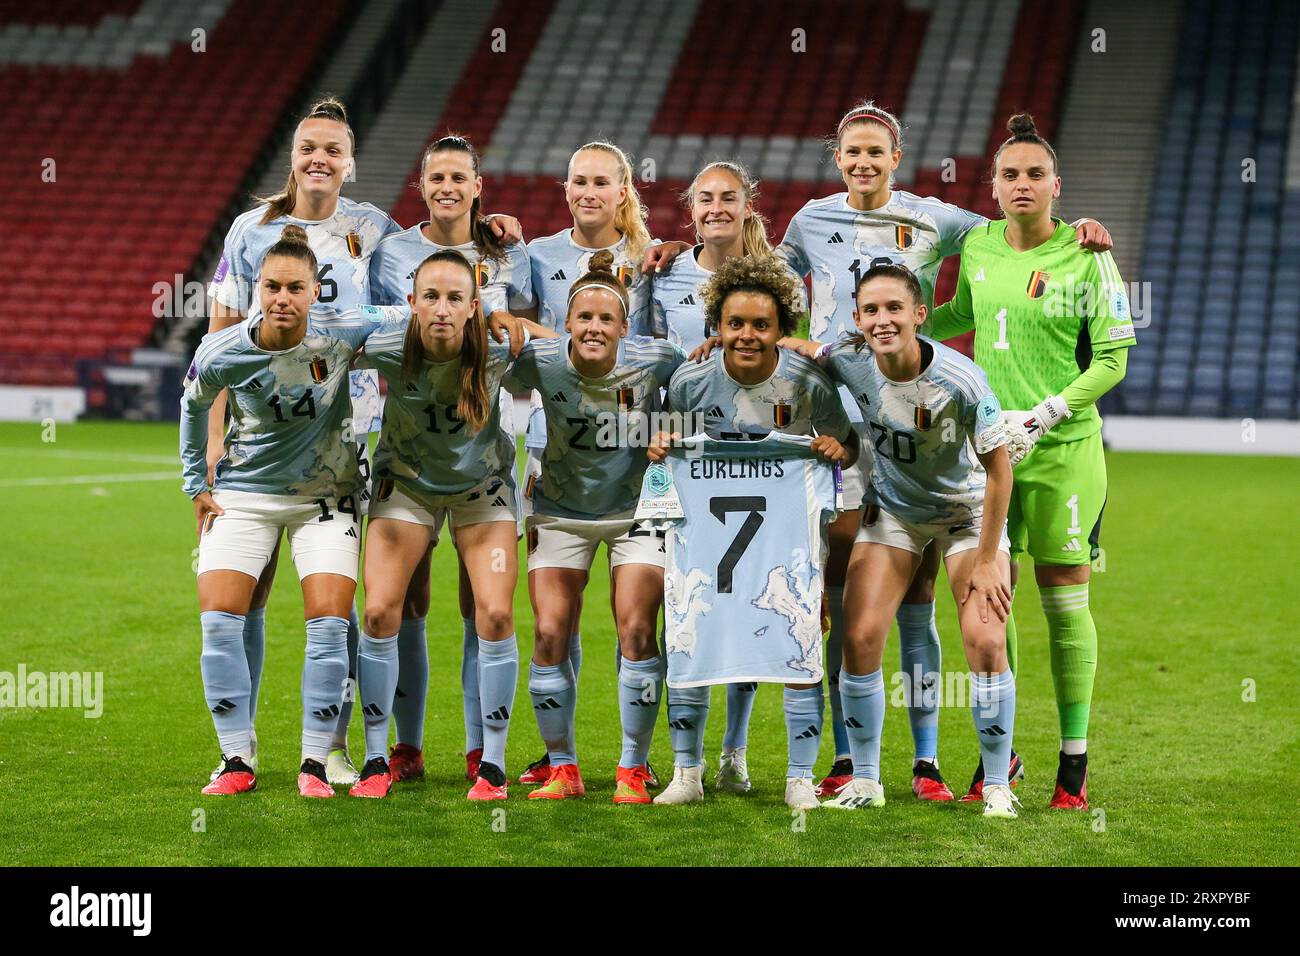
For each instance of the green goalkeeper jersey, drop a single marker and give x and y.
(1031, 312)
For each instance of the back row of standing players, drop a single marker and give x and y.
(365, 258)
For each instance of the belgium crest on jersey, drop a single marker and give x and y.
(922, 418)
(781, 412)
(903, 236)
(1037, 285)
(353, 239)
(625, 275)
(482, 274)
(319, 370)
(626, 398)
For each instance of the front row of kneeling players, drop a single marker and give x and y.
(291, 466)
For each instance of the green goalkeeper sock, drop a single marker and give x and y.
(1072, 640)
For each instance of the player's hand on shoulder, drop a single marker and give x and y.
(506, 327)
(808, 348)
(1093, 236)
(704, 349)
(660, 256)
(204, 506)
(986, 585)
(506, 228)
(830, 448)
(658, 449)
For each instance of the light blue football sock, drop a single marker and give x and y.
(378, 662)
(469, 687)
(412, 683)
(226, 681)
(640, 685)
(688, 712)
(834, 661)
(324, 670)
(921, 659)
(498, 676)
(340, 741)
(740, 705)
(255, 652)
(552, 689)
(993, 705)
(864, 718)
(803, 727)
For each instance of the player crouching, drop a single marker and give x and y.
(935, 423)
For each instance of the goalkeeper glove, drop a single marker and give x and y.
(1026, 428)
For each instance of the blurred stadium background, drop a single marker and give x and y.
(136, 130)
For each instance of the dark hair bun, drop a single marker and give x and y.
(294, 233)
(1022, 124)
(329, 108)
(602, 261)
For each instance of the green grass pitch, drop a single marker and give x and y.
(1195, 733)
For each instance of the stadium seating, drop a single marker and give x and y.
(123, 145)
(1223, 242)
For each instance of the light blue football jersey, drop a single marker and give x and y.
(291, 430)
(925, 432)
(343, 244)
(743, 582)
(797, 399)
(597, 430)
(678, 307)
(424, 446)
(837, 244)
(557, 262)
(508, 285)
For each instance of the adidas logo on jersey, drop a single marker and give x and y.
(689, 300)
(559, 397)
(559, 276)
(498, 502)
(351, 532)
(979, 276)
(864, 398)
(1073, 545)
(714, 412)
(835, 238)
(253, 385)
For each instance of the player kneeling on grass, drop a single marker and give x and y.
(598, 388)
(941, 475)
(442, 454)
(290, 465)
(743, 391)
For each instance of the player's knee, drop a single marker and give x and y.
(986, 644)
(382, 618)
(494, 620)
(637, 637)
(921, 590)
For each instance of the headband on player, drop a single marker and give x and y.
(864, 115)
(618, 291)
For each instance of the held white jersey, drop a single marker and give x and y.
(343, 244)
(508, 284)
(678, 307)
(837, 244)
(557, 262)
(745, 548)
(925, 432)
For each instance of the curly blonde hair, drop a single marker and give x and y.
(765, 275)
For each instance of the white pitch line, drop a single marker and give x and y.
(89, 479)
(95, 455)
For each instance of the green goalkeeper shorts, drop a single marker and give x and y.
(1056, 502)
